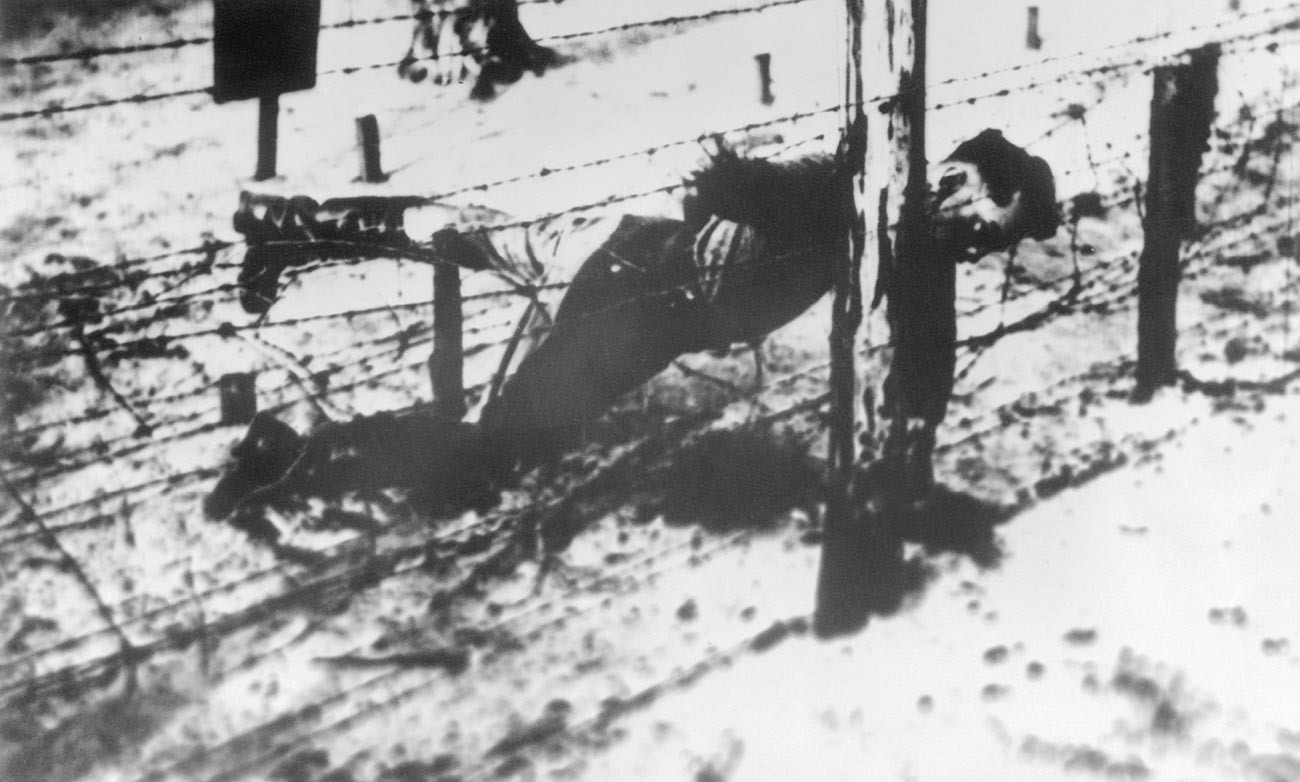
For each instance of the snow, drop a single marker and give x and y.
(1134, 619)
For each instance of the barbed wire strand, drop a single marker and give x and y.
(50, 111)
(95, 52)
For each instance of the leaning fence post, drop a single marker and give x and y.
(447, 361)
(1182, 112)
(372, 170)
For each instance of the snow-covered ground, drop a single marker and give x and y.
(1112, 598)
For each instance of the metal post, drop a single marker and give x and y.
(368, 142)
(268, 121)
(447, 362)
(1182, 112)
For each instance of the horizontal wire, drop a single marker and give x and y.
(210, 247)
(95, 52)
(50, 111)
(1110, 68)
(1138, 41)
(145, 98)
(409, 332)
(541, 173)
(672, 20)
(648, 151)
(410, 343)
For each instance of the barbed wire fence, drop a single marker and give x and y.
(121, 315)
(210, 248)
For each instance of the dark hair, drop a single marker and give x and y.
(1008, 169)
(804, 195)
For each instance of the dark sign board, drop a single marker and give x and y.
(263, 47)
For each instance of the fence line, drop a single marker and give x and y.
(1107, 284)
(95, 52)
(166, 643)
(394, 557)
(209, 248)
(795, 117)
(366, 706)
(661, 22)
(279, 567)
(100, 445)
(213, 246)
(790, 118)
(1147, 63)
(1072, 301)
(50, 111)
(409, 333)
(227, 329)
(222, 330)
(648, 151)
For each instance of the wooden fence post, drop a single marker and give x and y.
(922, 304)
(765, 78)
(268, 136)
(447, 361)
(372, 170)
(840, 605)
(1032, 39)
(1182, 112)
(861, 555)
(238, 392)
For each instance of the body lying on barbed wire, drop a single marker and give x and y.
(756, 248)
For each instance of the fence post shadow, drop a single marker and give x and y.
(861, 572)
(864, 570)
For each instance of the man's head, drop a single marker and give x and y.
(989, 194)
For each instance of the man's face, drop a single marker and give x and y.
(966, 220)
